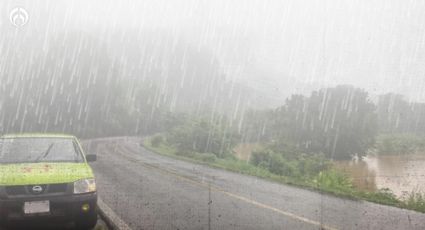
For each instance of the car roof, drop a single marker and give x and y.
(37, 135)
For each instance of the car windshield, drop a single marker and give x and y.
(34, 150)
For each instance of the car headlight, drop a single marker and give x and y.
(84, 186)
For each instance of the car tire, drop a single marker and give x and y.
(86, 222)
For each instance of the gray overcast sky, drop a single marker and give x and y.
(285, 45)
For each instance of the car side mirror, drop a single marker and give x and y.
(91, 157)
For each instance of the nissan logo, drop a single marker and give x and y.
(37, 189)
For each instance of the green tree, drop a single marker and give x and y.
(339, 122)
(396, 115)
(199, 135)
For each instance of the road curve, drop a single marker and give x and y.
(150, 191)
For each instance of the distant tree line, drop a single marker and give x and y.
(78, 83)
(396, 115)
(339, 122)
(399, 144)
(89, 88)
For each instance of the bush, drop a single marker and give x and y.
(208, 157)
(280, 166)
(204, 137)
(334, 180)
(156, 141)
(307, 166)
(261, 158)
(312, 165)
(415, 201)
(184, 153)
(383, 196)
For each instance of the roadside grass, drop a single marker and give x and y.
(415, 201)
(331, 181)
(228, 163)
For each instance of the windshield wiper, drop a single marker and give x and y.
(44, 155)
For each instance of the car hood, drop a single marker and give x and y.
(43, 173)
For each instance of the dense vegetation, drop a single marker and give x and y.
(399, 144)
(175, 89)
(338, 122)
(155, 88)
(199, 135)
(317, 175)
(299, 140)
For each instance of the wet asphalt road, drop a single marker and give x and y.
(101, 225)
(149, 191)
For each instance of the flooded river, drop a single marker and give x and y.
(401, 174)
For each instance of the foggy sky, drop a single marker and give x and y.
(279, 47)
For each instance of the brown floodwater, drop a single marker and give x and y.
(400, 173)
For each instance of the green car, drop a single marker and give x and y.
(46, 178)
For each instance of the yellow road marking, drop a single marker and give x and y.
(241, 198)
